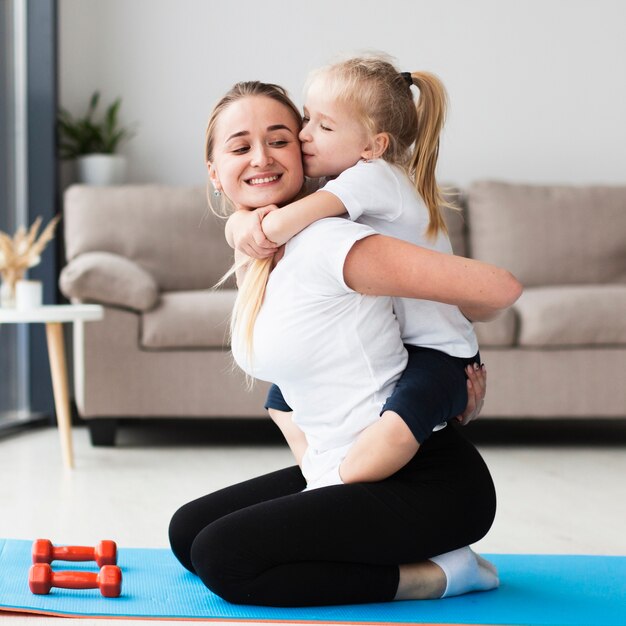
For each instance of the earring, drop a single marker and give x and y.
(217, 193)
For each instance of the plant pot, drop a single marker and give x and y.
(101, 169)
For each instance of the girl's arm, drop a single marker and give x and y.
(259, 232)
(280, 226)
(244, 233)
(384, 266)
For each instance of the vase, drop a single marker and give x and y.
(101, 169)
(28, 294)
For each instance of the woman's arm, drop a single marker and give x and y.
(379, 265)
(478, 313)
(384, 266)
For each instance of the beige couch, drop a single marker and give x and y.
(150, 254)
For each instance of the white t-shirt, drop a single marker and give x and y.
(382, 196)
(335, 354)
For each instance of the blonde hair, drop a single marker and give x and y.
(251, 292)
(381, 99)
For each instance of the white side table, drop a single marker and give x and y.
(53, 317)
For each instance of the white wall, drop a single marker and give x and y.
(537, 87)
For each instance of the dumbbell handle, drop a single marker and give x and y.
(75, 580)
(73, 553)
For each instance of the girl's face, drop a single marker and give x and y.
(332, 140)
(256, 157)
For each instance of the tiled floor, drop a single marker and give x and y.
(561, 486)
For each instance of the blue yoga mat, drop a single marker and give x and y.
(535, 590)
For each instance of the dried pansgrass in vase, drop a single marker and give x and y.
(22, 251)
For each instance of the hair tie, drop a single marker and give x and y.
(408, 78)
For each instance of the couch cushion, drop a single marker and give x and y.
(550, 235)
(189, 319)
(109, 279)
(581, 315)
(169, 231)
(501, 332)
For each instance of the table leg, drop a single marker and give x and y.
(58, 369)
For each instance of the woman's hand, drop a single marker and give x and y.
(476, 390)
(245, 233)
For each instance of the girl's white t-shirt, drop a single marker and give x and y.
(335, 354)
(383, 197)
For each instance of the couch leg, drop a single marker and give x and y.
(102, 431)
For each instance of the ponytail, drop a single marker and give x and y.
(431, 113)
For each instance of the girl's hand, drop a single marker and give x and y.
(248, 236)
(476, 390)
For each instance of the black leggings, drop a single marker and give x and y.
(266, 542)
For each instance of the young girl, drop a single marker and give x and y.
(378, 147)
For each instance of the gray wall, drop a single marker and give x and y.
(537, 87)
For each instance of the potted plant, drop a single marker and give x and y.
(93, 143)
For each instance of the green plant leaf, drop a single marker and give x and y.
(86, 135)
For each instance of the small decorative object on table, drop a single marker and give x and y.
(20, 252)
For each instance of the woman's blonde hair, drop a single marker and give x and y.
(251, 292)
(381, 98)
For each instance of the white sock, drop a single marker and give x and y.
(466, 571)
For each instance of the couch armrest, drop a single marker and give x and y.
(110, 279)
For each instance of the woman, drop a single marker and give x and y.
(335, 351)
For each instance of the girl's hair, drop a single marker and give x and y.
(252, 291)
(381, 98)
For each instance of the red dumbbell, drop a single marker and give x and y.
(104, 553)
(41, 579)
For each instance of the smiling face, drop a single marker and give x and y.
(256, 157)
(332, 139)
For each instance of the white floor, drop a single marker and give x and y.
(561, 486)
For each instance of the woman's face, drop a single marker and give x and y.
(256, 157)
